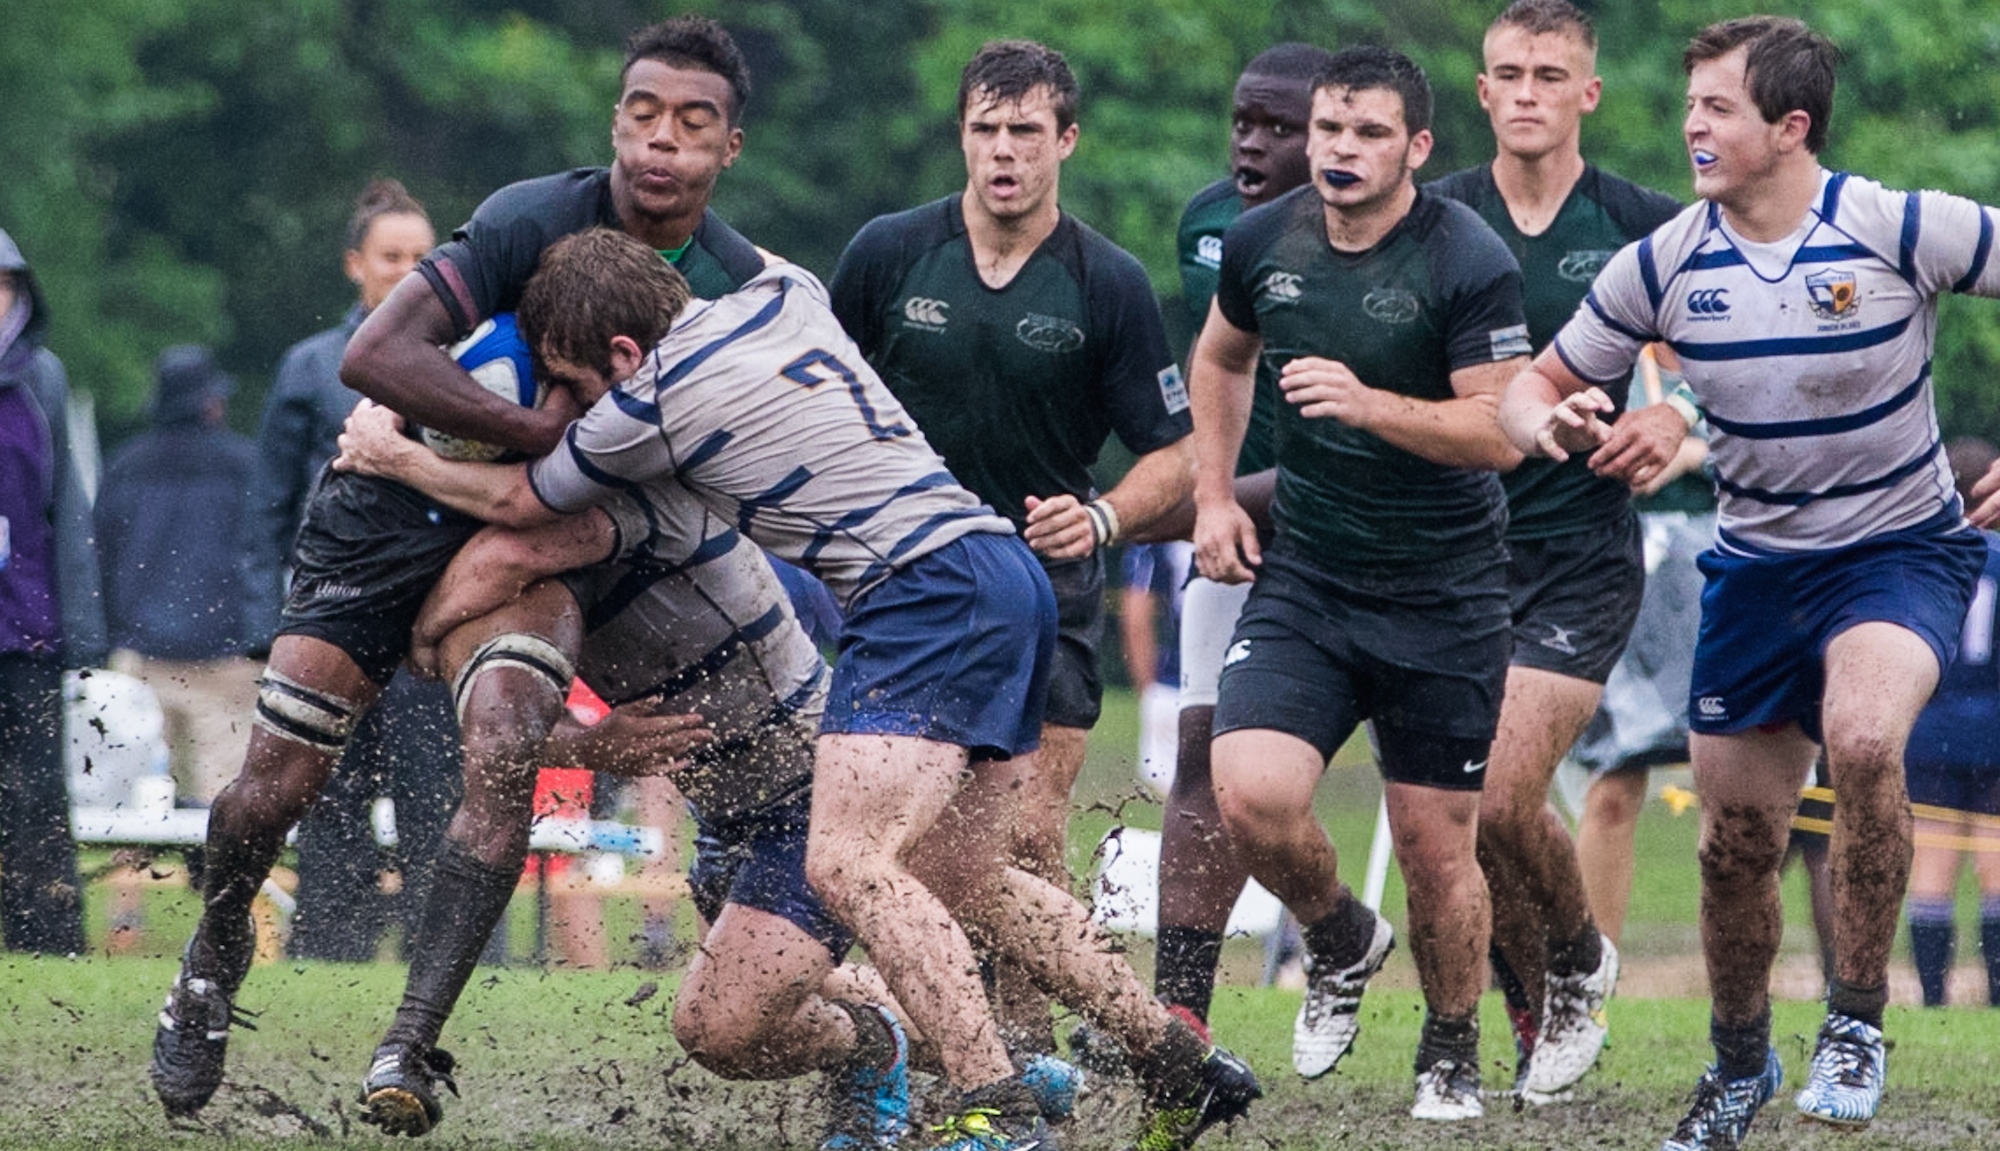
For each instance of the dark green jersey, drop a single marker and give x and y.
(1017, 387)
(1438, 293)
(1602, 214)
(481, 270)
(1203, 222)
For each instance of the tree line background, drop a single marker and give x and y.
(183, 172)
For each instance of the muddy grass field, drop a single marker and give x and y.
(556, 1058)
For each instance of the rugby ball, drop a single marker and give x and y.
(497, 357)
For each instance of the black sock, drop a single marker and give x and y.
(1184, 971)
(1989, 945)
(467, 898)
(1579, 955)
(1932, 941)
(1453, 1039)
(1740, 1051)
(235, 865)
(1341, 937)
(1863, 1003)
(1510, 984)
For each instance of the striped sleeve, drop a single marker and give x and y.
(1953, 244)
(606, 452)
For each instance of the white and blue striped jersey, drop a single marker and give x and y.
(762, 406)
(1811, 356)
(691, 616)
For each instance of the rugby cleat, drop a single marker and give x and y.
(1056, 1085)
(871, 1105)
(400, 1093)
(193, 1035)
(1723, 1109)
(1447, 1092)
(192, 1039)
(1226, 1089)
(1573, 1027)
(1329, 1019)
(1844, 1086)
(998, 1117)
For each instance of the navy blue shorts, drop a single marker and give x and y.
(954, 647)
(1766, 620)
(759, 861)
(1953, 759)
(1425, 656)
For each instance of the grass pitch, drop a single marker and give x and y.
(560, 1059)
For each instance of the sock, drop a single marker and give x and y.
(1863, 1003)
(467, 898)
(1931, 944)
(1575, 956)
(1518, 1007)
(1740, 1051)
(1453, 1039)
(1989, 946)
(874, 1044)
(1184, 974)
(234, 869)
(1341, 937)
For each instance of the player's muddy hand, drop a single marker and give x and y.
(1059, 528)
(1574, 425)
(1327, 389)
(1985, 510)
(372, 441)
(1640, 446)
(635, 739)
(1225, 542)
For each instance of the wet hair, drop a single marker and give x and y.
(1005, 71)
(1788, 67)
(1969, 457)
(697, 42)
(383, 197)
(1358, 69)
(592, 286)
(1547, 17)
(1290, 61)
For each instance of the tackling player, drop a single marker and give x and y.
(1396, 318)
(1575, 570)
(1019, 340)
(1802, 304)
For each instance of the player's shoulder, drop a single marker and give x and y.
(1260, 226)
(910, 232)
(1635, 208)
(1442, 222)
(578, 194)
(1217, 201)
(1467, 185)
(739, 259)
(1097, 256)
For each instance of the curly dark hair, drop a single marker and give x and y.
(693, 41)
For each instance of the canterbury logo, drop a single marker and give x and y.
(929, 313)
(1283, 286)
(1708, 302)
(1711, 707)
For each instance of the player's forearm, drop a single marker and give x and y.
(1158, 483)
(1463, 432)
(496, 493)
(1220, 400)
(1526, 407)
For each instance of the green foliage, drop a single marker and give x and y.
(184, 171)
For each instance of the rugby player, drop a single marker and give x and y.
(1576, 569)
(1802, 304)
(1396, 318)
(1200, 875)
(1019, 339)
(370, 550)
(762, 407)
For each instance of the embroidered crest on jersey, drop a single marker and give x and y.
(1392, 305)
(1509, 342)
(1835, 294)
(1282, 288)
(1048, 333)
(1581, 267)
(926, 314)
(1208, 251)
(1173, 389)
